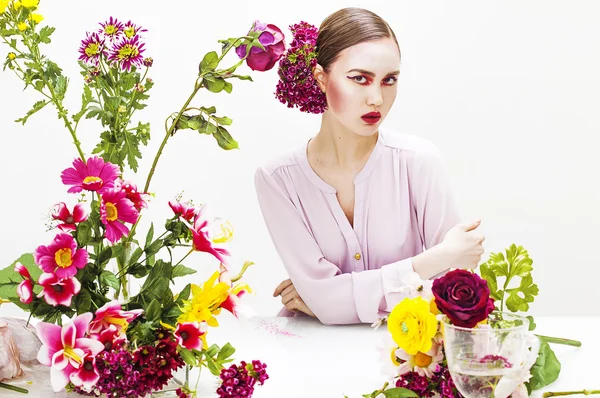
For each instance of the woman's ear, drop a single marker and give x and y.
(320, 77)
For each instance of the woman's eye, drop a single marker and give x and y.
(391, 80)
(359, 79)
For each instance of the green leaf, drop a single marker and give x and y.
(528, 289)
(399, 392)
(107, 278)
(84, 233)
(224, 121)
(242, 77)
(187, 356)
(132, 150)
(83, 301)
(153, 248)
(519, 260)
(214, 368)
(224, 139)
(207, 128)
(138, 270)
(104, 256)
(228, 87)
(211, 111)
(209, 62)
(214, 84)
(546, 368)
(226, 351)
(45, 34)
(185, 293)
(182, 270)
(149, 235)
(490, 277)
(60, 87)
(118, 252)
(86, 98)
(36, 107)
(137, 253)
(153, 311)
(532, 324)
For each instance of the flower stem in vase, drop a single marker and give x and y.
(560, 393)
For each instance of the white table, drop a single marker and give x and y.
(306, 359)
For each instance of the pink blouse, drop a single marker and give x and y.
(352, 274)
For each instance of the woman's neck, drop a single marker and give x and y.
(336, 146)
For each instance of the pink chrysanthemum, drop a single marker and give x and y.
(111, 29)
(62, 213)
(57, 291)
(115, 211)
(127, 53)
(61, 257)
(92, 48)
(95, 175)
(297, 86)
(130, 29)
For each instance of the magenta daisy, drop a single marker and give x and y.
(111, 29)
(130, 29)
(92, 48)
(62, 213)
(115, 211)
(61, 257)
(57, 291)
(128, 53)
(95, 175)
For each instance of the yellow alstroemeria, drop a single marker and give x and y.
(206, 302)
(30, 3)
(22, 26)
(412, 325)
(37, 18)
(3, 5)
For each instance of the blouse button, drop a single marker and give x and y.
(357, 256)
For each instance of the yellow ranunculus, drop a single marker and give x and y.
(30, 3)
(22, 26)
(412, 325)
(12, 56)
(3, 5)
(37, 18)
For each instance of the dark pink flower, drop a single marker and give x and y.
(62, 213)
(111, 313)
(127, 53)
(190, 334)
(184, 210)
(202, 239)
(57, 291)
(273, 41)
(139, 199)
(95, 175)
(61, 257)
(25, 288)
(92, 48)
(115, 211)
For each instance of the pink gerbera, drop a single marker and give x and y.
(202, 240)
(58, 291)
(115, 211)
(111, 29)
(62, 213)
(110, 314)
(95, 175)
(191, 334)
(127, 53)
(61, 257)
(92, 48)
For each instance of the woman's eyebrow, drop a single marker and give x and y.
(372, 74)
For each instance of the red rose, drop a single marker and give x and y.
(464, 297)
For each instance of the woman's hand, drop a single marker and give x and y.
(291, 299)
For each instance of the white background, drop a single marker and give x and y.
(509, 91)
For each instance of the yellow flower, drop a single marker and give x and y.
(17, 4)
(226, 233)
(206, 302)
(3, 5)
(37, 18)
(12, 56)
(412, 325)
(22, 26)
(30, 3)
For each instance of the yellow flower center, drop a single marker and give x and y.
(68, 352)
(423, 360)
(117, 321)
(91, 50)
(394, 358)
(110, 29)
(129, 32)
(111, 212)
(63, 258)
(128, 51)
(90, 179)
(22, 26)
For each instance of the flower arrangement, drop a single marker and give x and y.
(415, 354)
(98, 337)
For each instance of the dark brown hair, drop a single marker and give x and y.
(346, 28)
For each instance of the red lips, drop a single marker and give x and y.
(371, 117)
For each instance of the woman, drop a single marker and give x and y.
(358, 207)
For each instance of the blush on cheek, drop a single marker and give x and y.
(337, 98)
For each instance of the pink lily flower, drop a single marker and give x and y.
(233, 302)
(112, 314)
(25, 288)
(191, 335)
(61, 257)
(65, 350)
(115, 211)
(95, 175)
(62, 213)
(183, 209)
(202, 240)
(139, 199)
(109, 337)
(58, 291)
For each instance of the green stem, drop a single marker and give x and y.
(184, 257)
(558, 340)
(14, 388)
(559, 393)
(198, 379)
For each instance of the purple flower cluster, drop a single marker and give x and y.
(239, 381)
(115, 42)
(296, 86)
(441, 383)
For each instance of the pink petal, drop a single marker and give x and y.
(79, 213)
(72, 177)
(126, 211)
(49, 334)
(65, 273)
(66, 227)
(94, 166)
(114, 231)
(21, 269)
(81, 323)
(44, 355)
(25, 291)
(61, 212)
(59, 360)
(60, 378)
(86, 344)
(80, 258)
(68, 334)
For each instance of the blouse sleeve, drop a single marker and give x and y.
(336, 297)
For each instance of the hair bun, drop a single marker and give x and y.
(297, 86)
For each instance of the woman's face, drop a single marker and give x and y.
(361, 85)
